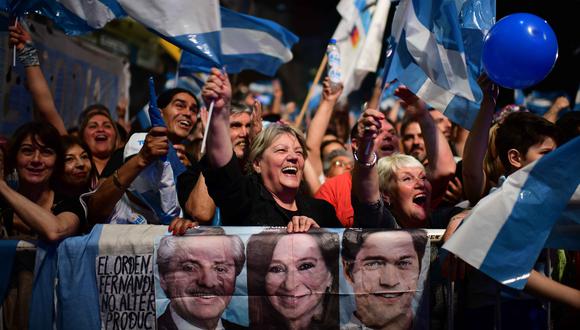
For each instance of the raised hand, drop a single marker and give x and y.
(328, 94)
(18, 37)
(413, 105)
(256, 119)
(218, 89)
(489, 88)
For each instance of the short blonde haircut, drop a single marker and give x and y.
(388, 167)
(267, 137)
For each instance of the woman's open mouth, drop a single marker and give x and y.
(290, 170)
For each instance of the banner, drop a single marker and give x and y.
(141, 277)
(263, 277)
(126, 291)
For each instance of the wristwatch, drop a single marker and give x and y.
(369, 164)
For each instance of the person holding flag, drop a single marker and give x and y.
(179, 110)
(269, 196)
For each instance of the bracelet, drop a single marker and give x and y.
(28, 55)
(369, 164)
(117, 183)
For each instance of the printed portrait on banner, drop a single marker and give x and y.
(385, 273)
(265, 278)
(293, 279)
(196, 278)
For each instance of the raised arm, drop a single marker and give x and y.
(474, 178)
(319, 124)
(560, 104)
(310, 178)
(368, 206)
(219, 149)
(441, 167)
(544, 287)
(278, 94)
(102, 202)
(365, 178)
(41, 95)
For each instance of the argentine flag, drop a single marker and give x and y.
(536, 207)
(190, 25)
(247, 43)
(436, 50)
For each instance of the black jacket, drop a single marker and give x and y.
(244, 201)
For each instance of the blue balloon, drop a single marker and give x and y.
(519, 51)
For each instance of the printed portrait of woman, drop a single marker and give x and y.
(293, 280)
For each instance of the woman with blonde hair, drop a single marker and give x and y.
(270, 194)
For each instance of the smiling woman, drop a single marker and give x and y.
(79, 175)
(34, 209)
(99, 132)
(293, 280)
(269, 196)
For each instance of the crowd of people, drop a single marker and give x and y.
(419, 172)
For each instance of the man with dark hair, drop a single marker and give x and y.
(522, 138)
(412, 139)
(198, 275)
(179, 108)
(383, 268)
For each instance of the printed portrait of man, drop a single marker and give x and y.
(197, 273)
(383, 268)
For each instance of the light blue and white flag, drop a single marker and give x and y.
(506, 231)
(191, 25)
(436, 52)
(247, 43)
(74, 17)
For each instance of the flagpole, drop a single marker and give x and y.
(14, 48)
(311, 91)
(210, 112)
(209, 115)
(177, 72)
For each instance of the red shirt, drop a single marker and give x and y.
(336, 191)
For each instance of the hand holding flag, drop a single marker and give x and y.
(157, 121)
(217, 91)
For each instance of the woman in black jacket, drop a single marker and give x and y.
(270, 194)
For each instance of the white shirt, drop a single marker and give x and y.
(182, 324)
